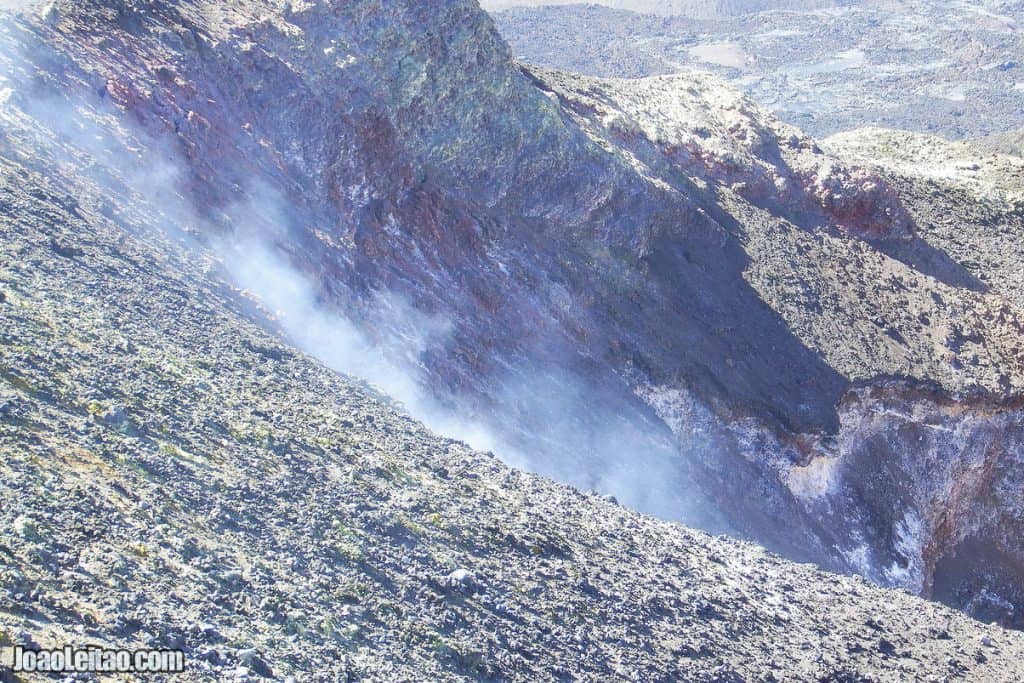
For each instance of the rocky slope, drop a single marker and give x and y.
(948, 68)
(968, 203)
(652, 288)
(1011, 143)
(967, 198)
(177, 476)
(906, 469)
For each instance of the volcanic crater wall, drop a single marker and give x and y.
(650, 287)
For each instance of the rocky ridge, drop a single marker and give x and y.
(967, 198)
(996, 179)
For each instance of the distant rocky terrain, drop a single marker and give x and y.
(1004, 143)
(688, 8)
(650, 288)
(947, 68)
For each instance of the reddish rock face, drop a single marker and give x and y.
(696, 125)
(650, 287)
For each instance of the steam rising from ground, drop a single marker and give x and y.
(292, 298)
(602, 452)
(548, 422)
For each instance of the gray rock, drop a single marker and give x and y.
(462, 580)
